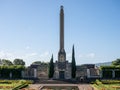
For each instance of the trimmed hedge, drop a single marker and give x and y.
(109, 67)
(20, 86)
(110, 81)
(107, 74)
(15, 70)
(107, 71)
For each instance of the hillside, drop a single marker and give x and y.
(103, 64)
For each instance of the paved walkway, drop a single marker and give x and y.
(85, 87)
(80, 86)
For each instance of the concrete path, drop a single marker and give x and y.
(85, 87)
(80, 86)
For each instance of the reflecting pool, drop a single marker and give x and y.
(60, 88)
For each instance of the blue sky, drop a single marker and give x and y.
(29, 29)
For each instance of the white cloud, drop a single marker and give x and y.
(27, 57)
(91, 55)
(31, 54)
(32, 57)
(45, 54)
(6, 55)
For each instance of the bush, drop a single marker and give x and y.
(110, 81)
(98, 82)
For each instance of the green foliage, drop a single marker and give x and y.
(110, 81)
(107, 84)
(107, 71)
(109, 67)
(117, 74)
(23, 85)
(14, 84)
(51, 68)
(73, 64)
(116, 62)
(15, 70)
(18, 62)
(40, 63)
(6, 62)
(98, 82)
(107, 74)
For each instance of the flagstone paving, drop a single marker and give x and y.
(80, 86)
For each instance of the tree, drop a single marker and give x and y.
(15, 70)
(73, 64)
(6, 62)
(116, 62)
(37, 63)
(18, 62)
(51, 68)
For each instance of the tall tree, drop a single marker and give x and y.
(73, 64)
(18, 62)
(51, 68)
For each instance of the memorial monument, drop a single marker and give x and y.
(62, 66)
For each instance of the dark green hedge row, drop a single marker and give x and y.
(107, 71)
(109, 67)
(15, 71)
(107, 74)
(110, 81)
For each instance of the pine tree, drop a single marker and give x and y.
(51, 68)
(73, 64)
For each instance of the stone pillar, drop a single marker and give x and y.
(67, 75)
(101, 74)
(10, 75)
(61, 28)
(88, 73)
(113, 73)
(22, 73)
(35, 73)
(56, 74)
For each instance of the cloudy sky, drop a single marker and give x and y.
(29, 29)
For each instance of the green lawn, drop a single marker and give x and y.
(107, 84)
(11, 84)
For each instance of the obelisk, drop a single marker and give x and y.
(61, 54)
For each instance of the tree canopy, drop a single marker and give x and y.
(39, 63)
(6, 62)
(18, 62)
(116, 62)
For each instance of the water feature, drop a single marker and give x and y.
(60, 88)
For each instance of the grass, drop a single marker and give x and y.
(10, 84)
(107, 84)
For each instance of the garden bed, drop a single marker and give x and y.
(107, 84)
(14, 84)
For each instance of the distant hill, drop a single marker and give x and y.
(103, 64)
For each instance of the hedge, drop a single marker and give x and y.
(15, 70)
